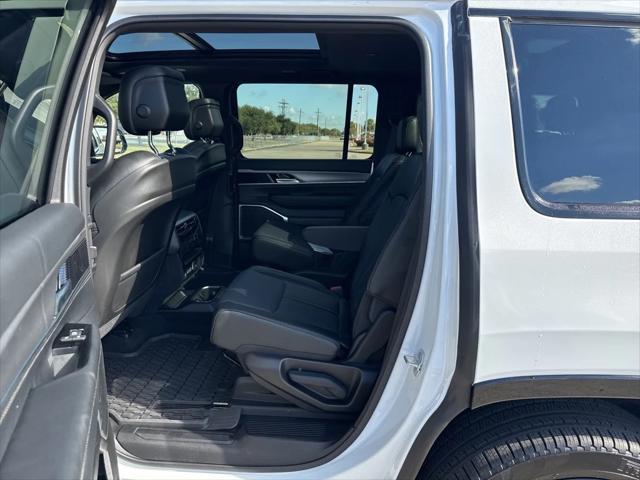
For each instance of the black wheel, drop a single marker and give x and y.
(539, 440)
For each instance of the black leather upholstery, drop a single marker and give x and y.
(205, 127)
(152, 99)
(273, 311)
(267, 314)
(205, 120)
(281, 244)
(135, 203)
(408, 136)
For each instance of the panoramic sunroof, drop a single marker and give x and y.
(167, 42)
(149, 42)
(261, 41)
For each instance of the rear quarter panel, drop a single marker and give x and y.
(557, 295)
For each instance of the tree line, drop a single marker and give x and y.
(256, 121)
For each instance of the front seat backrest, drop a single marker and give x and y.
(134, 204)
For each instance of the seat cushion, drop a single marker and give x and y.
(266, 310)
(281, 244)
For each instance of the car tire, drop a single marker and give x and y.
(539, 440)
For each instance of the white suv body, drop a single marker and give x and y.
(519, 300)
(558, 296)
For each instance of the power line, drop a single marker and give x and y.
(283, 106)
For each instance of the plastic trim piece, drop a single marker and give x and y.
(554, 15)
(556, 386)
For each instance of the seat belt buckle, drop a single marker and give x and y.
(338, 290)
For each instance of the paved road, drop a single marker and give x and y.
(319, 150)
(322, 149)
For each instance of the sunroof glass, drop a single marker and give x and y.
(261, 41)
(149, 42)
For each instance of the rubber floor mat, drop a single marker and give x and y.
(171, 378)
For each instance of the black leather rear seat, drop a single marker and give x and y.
(282, 245)
(285, 328)
(269, 310)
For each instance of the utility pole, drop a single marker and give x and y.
(283, 106)
(318, 121)
(366, 112)
(299, 120)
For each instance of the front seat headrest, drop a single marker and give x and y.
(205, 119)
(152, 99)
(408, 136)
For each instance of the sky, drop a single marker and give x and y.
(330, 99)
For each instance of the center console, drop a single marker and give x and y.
(185, 260)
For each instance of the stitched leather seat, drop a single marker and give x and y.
(135, 203)
(271, 319)
(281, 244)
(269, 310)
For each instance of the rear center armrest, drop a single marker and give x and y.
(336, 237)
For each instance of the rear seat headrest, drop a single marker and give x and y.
(205, 119)
(408, 136)
(152, 99)
(560, 114)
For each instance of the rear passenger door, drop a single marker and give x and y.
(53, 412)
(302, 161)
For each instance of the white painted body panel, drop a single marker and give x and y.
(408, 400)
(557, 295)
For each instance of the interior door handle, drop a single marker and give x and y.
(287, 180)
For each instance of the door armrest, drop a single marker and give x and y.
(345, 238)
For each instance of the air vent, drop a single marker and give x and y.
(187, 227)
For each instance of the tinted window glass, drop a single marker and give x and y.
(362, 128)
(37, 47)
(304, 121)
(579, 93)
(149, 42)
(261, 41)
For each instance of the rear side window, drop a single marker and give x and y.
(576, 99)
(307, 121)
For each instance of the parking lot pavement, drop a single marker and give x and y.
(319, 150)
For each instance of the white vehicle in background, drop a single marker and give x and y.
(457, 300)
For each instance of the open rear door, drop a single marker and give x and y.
(53, 412)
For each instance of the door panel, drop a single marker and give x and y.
(53, 411)
(299, 197)
(293, 165)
